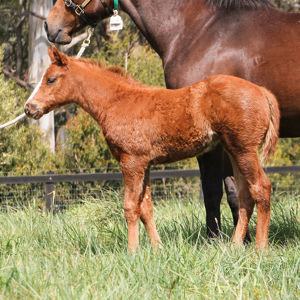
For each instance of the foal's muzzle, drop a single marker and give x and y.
(32, 111)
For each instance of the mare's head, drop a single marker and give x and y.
(54, 89)
(67, 17)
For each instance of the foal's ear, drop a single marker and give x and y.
(57, 57)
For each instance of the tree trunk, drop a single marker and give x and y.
(39, 60)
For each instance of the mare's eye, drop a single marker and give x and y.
(51, 80)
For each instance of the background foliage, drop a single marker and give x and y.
(21, 146)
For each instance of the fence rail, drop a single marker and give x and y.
(84, 177)
(51, 179)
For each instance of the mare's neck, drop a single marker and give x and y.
(164, 22)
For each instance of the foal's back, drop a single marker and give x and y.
(236, 107)
(170, 125)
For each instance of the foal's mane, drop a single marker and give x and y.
(116, 71)
(239, 4)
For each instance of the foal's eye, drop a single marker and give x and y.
(51, 80)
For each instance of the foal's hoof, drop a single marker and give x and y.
(157, 247)
(261, 246)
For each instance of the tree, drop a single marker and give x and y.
(39, 59)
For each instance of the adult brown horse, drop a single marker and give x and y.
(198, 38)
(145, 126)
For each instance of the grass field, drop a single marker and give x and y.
(82, 254)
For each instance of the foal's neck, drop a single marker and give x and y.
(98, 89)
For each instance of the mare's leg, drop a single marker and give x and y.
(254, 188)
(215, 166)
(231, 190)
(147, 213)
(211, 168)
(133, 169)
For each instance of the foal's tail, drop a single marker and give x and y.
(272, 133)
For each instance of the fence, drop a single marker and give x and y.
(57, 198)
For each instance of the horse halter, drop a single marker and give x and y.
(79, 10)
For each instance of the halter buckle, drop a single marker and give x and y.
(68, 3)
(79, 10)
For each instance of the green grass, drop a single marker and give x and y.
(82, 254)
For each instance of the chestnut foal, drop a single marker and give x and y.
(144, 126)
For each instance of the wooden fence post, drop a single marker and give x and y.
(50, 194)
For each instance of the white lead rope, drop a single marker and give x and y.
(84, 45)
(13, 121)
(86, 42)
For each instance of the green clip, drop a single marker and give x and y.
(116, 4)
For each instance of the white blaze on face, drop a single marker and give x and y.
(35, 90)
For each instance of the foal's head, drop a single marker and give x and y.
(54, 89)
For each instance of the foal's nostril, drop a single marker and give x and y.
(27, 109)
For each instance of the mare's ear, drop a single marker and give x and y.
(57, 57)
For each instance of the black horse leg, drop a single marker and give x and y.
(215, 167)
(211, 164)
(232, 193)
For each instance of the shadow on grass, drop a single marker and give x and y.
(190, 227)
(177, 223)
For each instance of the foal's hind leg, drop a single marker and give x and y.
(147, 213)
(261, 192)
(232, 193)
(254, 188)
(246, 205)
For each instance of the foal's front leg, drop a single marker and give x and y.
(132, 208)
(133, 169)
(147, 213)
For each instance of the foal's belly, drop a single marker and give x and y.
(163, 154)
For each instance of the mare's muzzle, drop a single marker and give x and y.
(57, 35)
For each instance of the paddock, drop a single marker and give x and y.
(82, 253)
(56, 191)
